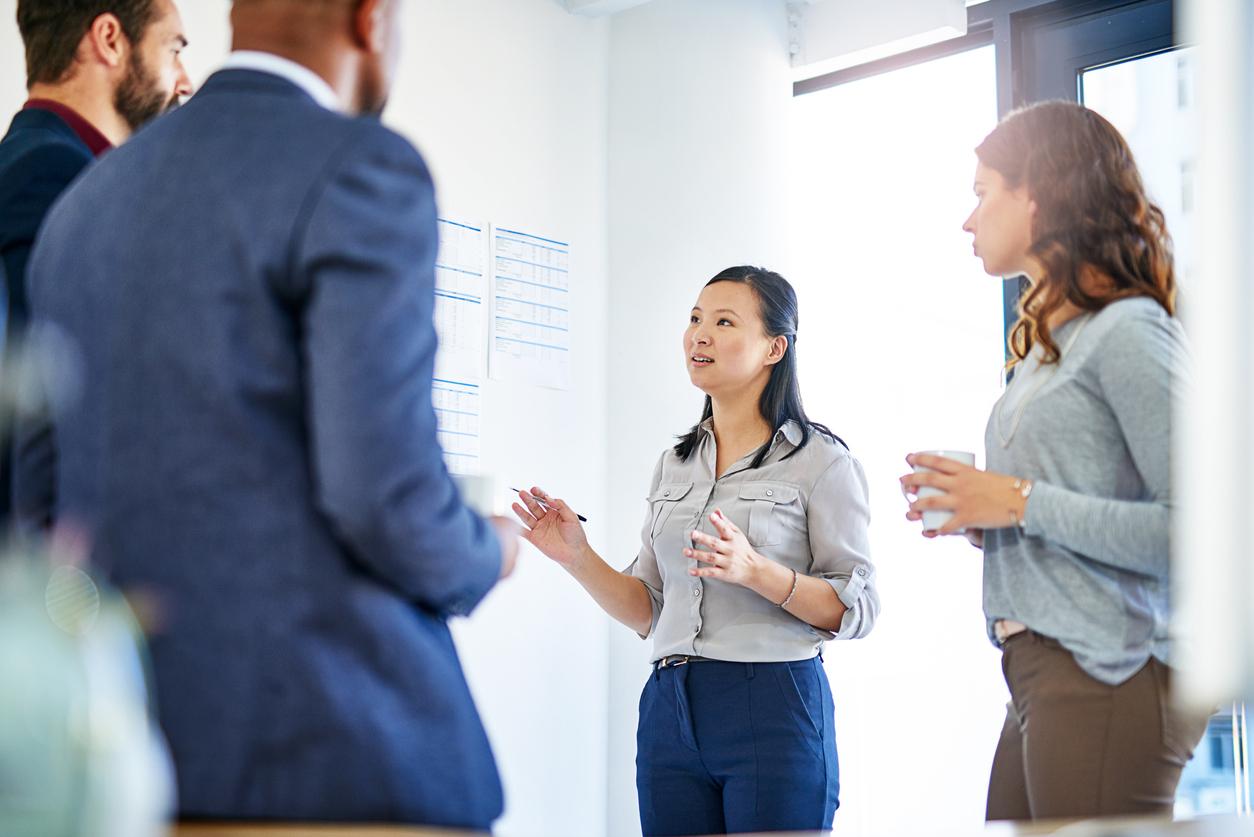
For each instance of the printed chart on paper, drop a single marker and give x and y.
(457, 407)
(461, 286)
(531, 309)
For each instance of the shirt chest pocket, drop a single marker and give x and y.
(767, 504)
(663, 503)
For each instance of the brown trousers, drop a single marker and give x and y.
(1074, 747)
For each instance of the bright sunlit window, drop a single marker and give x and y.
(901, 347)
(1152, 102)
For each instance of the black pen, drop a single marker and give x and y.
(545, 505)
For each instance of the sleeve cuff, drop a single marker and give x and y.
(466, 604)
(657, 611)
(849, 591)
(655, 598)
(1037, 509)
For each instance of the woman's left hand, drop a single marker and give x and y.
(728, 557)
(978, 499)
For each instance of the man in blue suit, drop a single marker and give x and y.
(96, 70)
(255, 445)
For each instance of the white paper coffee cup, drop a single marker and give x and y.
(478, 491)
(935, 519)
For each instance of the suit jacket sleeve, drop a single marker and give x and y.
(365, 271)
(34, 468)
(42, 174)
(32, 473)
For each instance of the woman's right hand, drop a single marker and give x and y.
(555, 530)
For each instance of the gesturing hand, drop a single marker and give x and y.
(728, 557)
(551, 527)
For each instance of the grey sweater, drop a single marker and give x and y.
(1094, 433)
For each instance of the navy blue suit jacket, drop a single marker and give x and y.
(39, 157)
(255, 447)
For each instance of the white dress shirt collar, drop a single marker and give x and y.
(303, 77)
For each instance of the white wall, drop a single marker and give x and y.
(699, 102)
(507, 100)
(12, 64)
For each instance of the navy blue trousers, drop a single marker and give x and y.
(736, 747)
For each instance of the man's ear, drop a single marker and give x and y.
(106, 41)
(368, 28)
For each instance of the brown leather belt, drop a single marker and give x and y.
(673, 660)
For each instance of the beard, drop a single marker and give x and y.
(139, 99)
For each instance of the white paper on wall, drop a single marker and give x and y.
(461, 287)
(531, 309)
(458, 413)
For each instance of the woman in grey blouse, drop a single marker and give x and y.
(1074, 511)
(753, 553)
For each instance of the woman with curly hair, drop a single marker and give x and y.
(1073, 513)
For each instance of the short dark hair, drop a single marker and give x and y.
(53, 29)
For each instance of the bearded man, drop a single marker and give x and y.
(96, 70)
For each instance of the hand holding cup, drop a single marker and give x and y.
(963, 495)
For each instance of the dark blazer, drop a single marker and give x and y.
(255, 448)
(39, 157)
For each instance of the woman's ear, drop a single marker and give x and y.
(779, 348)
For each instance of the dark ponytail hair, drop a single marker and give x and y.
(781, 398)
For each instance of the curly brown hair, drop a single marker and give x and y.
(1093, 217)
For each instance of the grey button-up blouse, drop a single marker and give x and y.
(808, 512)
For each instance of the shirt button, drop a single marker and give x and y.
(770, 493)
(666, 493)
(696, 592)
(862, 571)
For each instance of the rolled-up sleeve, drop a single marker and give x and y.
(645, 566)
(838, 517)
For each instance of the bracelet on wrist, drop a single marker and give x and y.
(791, 592)
(1023, 488)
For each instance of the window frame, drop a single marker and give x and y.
(1085, 33)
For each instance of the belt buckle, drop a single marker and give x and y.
(673, 660)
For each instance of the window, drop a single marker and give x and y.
(1135, 95)
(881, 182)
(876, 216)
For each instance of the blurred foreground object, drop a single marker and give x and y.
(79, 751)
